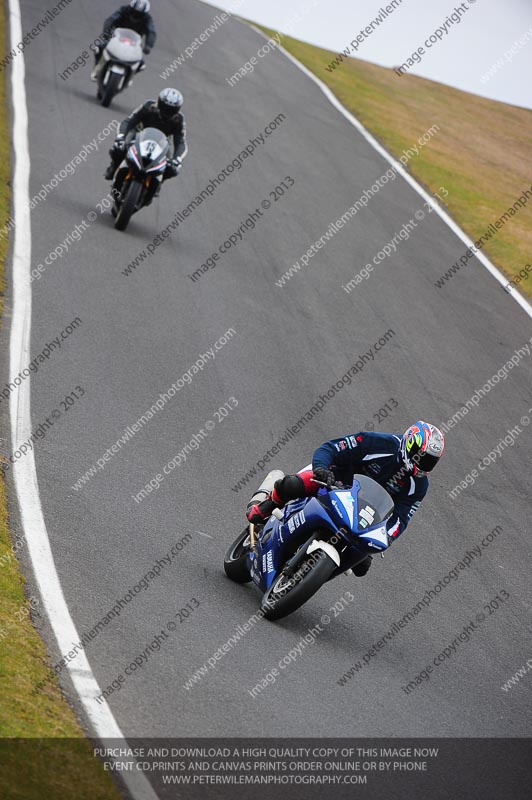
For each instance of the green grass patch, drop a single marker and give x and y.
(48, 756)
(481, 153)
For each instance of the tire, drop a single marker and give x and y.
(110, 89)
(128, 205)
(287, 595)
(235, 561)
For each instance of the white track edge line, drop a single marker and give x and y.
(484, 260)
(24, 472)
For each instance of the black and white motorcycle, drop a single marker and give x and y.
(121, 58)
(140, 174)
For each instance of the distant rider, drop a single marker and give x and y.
(135, 16)
(163, 114)
(399, 463)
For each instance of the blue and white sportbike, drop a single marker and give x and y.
(310, 541)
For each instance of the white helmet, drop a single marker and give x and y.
(140, 6)
(422, 447)
(169, 102)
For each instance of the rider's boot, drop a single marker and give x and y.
(94, 73)
(362, 567)
(258, 513)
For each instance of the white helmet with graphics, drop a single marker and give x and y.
(140, 6)
(422, 447)
(169, 102)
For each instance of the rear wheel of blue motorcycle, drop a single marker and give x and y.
(286, 594)
(236, 558)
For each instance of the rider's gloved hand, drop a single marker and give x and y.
(325, 476)
(120, 142)
(173, 168)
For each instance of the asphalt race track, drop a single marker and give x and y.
(142, 331)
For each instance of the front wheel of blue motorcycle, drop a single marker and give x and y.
(287, 593)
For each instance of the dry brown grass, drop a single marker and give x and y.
(481, 153)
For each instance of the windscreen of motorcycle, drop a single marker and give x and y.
(374, 503)
(364, 506)
(125, 45)
(152, 145)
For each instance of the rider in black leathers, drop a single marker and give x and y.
(135, 16)
(163, 114)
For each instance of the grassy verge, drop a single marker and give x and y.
(58, 762)
(481, 153)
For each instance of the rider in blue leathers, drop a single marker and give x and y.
(399, 463)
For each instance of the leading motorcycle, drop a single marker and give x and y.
(121, 58)
(140, 174)
(309, 542)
